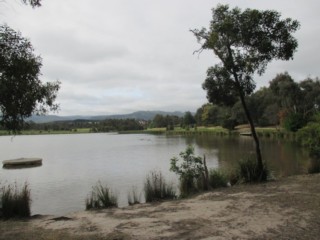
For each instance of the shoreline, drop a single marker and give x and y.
(288, 208)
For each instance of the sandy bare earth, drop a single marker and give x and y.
(288, 208)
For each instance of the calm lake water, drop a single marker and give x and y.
(72, 164)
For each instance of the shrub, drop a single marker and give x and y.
(309, 137)
(229, 123)
(101, 197)
(133, 197)
(314, 165)
(248, 171)
(293, 122)
(156, 189)
(191, 170)
(15, 202)
(217, 178)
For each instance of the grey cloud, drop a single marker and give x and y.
(122, 56)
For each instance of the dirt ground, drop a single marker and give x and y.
(288, 208)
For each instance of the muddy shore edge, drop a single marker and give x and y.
(288, 208)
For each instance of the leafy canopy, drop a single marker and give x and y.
(245, 42)
(21, 91)
(33, 3)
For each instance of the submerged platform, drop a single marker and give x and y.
(22, 162)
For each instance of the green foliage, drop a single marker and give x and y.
(309, 137)
(161, 121)
(229, 123)
(190, 169)
(21, 91)
(245, 42)
(156, 188)
(217, 178)
(286, 92)
(188, 119)
(293, 122)
(112, 125)
(15, 202)
(101, 197)
(248, 171)
(210, 114)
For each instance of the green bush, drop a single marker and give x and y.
(293, 122)
(229, 123)
(156, 188)
(309, 137)
(101, 197)
(217, 178)
(191, 170)
(15, 202)
(248, 171)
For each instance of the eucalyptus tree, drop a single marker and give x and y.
(21, 91)
(33, 3)
(245, 42)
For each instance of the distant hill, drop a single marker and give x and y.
(139, 115)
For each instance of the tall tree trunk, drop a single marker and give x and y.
(253, 131)
(247, 112)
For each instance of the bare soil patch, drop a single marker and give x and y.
(288, 208)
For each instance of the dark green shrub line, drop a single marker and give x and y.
(15, 202)
(156, 188)
(101, 197)
(309, 137)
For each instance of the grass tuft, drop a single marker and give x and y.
(248, 171)
(217, 178)
(15, 202)
(156, 188)
(101, 197)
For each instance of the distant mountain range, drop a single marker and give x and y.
(139, 115)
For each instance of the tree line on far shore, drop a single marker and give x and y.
(285, 103)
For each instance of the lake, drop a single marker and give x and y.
(73, 163)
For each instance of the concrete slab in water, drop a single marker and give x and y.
(21, 162)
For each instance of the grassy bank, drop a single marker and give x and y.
(42, 132)
(268, 132)
(265, 132)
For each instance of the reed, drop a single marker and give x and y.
(218, 178)
(248, 171)
(15, 202)
(156, 188)
(101, 197)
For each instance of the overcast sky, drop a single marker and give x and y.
(120, 56)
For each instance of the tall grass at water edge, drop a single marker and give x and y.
(101, 197)
(15, 202)
(247, 171)
(156, 188)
